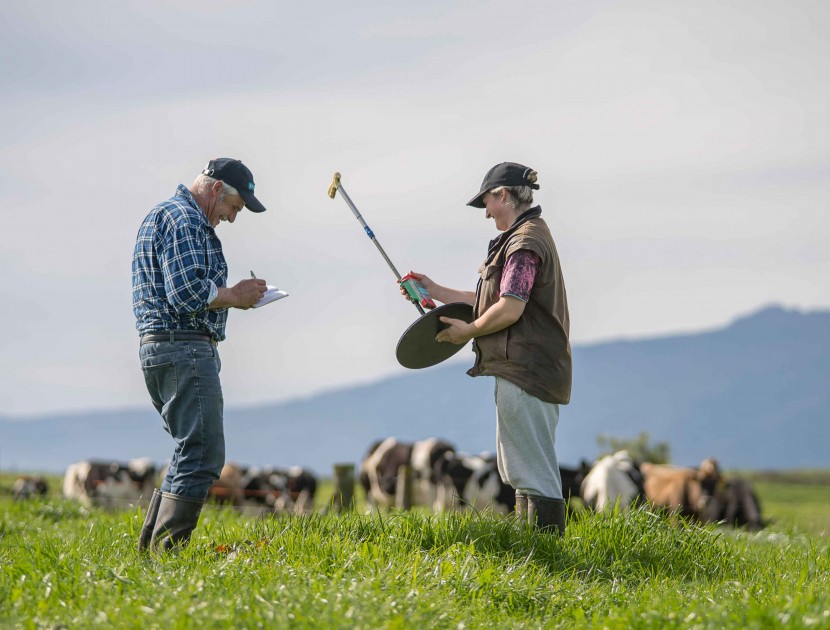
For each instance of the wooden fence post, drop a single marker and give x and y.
(343, 499)
(403, 488)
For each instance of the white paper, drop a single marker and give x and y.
(272, 294)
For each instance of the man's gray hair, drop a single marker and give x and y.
(207, 181)
(522, 196)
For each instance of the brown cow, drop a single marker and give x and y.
(686, 491)
(228, 488)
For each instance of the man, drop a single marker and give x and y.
(181, 306)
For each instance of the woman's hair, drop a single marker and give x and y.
(206, 181)
(520, 196)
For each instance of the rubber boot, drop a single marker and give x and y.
(149, 521)
(176, 520)
(521, 507)
(546, 514)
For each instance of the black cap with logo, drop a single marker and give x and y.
(505, 174)
(236, 174)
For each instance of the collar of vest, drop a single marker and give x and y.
(497, 242)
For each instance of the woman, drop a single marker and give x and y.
(520, 332)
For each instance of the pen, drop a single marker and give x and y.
(252, 275)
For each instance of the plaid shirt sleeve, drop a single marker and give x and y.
(183, 259)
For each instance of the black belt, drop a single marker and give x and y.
(176, 335)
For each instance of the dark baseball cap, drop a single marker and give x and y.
(236, 174)
(505, 174)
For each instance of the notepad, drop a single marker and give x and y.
(272, 294)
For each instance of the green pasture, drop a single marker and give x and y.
(67, 567)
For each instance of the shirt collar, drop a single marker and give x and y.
(524, 217)
(183, 191)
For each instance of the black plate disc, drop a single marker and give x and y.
(417, 347)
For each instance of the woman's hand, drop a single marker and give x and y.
(458, 331)
(502, 314)
(429, 285)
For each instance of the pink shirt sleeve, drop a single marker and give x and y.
(519, 273)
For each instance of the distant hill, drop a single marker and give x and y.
(755, 394)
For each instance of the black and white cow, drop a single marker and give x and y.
(472, 482)
(266, 488)
(378, 474)
(572, 480)
(29, 487)
(110, 485)
(613, 480)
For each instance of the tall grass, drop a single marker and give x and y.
(65, 566)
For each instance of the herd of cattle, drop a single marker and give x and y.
(442, 479)
(446, 479)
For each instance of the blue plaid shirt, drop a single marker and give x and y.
(177, 267)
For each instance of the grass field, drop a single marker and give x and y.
(64, 566)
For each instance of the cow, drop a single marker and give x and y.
(29, 487)
(378, 471)
(227, 490)
(613, 480)
(266, 488)
(471, 482)
(689, 492)
(110, 485)
(572, 480)
(738, 505)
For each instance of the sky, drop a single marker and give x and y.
(683, 152)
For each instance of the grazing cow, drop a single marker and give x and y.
(27, 487)
(689, 492)
(110, 485)
(228, 488)
(472, 482)
(267, 488)
(572, 480)
(613, 480)
(378, 474)
(738, 505)
(297, 489)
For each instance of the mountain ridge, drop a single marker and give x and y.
(752, 393)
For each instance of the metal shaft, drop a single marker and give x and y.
(335, 186)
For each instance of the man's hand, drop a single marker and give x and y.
(244, 294)
(248, 292)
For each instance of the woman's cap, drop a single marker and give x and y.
(236, 174)
(505, 174)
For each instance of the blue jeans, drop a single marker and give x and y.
(183, 380)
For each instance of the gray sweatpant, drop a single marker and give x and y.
(526, 440)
